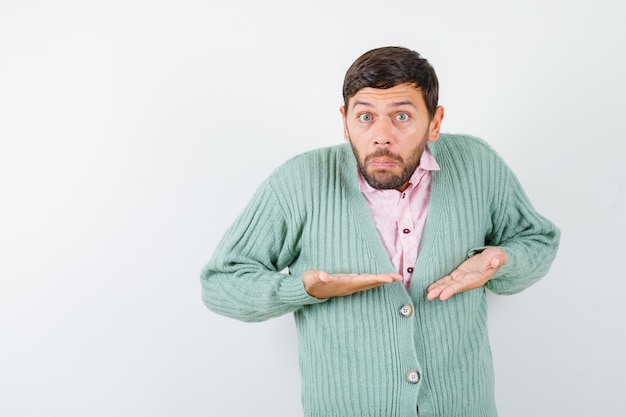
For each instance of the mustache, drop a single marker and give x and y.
(383, 153)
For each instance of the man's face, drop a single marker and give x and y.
(388, 130)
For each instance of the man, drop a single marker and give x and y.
(390, 241)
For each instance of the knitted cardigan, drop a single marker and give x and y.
(356, 351)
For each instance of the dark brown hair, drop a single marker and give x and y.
(390, 66)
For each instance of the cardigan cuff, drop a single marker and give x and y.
(292, 292)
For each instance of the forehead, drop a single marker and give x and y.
(394, 96)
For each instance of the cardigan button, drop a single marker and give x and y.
(413, 377)
(405, 231)
(406, 310)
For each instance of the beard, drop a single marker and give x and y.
(383, 179)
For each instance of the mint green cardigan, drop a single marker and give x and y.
(356, 351)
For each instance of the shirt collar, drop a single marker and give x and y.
(427, 163)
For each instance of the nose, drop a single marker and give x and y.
(383, 131)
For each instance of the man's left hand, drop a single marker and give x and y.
(471, 274)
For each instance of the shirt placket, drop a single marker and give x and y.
(407, 238)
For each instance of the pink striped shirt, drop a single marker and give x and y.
(400, 217)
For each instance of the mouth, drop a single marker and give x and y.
(381, 162)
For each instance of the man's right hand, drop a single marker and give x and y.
(320, 284)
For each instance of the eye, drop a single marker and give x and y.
(365, 117)
(402, 117)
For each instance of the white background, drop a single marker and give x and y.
(133, 132)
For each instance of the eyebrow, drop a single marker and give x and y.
(396, 104)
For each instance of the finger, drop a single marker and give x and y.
(495, 262)
(435, 289)
(441, 282)
(324, 277)
(369, 281)
(432, 294)
(370, 278)
(449, 292)
(388, 277)
(445, 288)
(443, 293)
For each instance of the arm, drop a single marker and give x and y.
(323, 285)
(529, 239)
(243, 278)
(519, 249)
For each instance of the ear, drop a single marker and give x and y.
(435, 124)
(346, 134)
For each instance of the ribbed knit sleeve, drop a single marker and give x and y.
(243, 280)
(530, 240)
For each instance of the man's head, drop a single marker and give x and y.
(390, 112)
(389, 66)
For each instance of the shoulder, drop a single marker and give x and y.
(307, 178)
(464, 150)
(317, 162)
(450, 144)
(320, 155)
(467, 158)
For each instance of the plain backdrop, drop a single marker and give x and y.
(133, 132)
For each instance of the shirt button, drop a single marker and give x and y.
(413, 377)
(405, 231)
(409, 270)
(406, 310)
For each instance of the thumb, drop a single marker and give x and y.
(323, 276)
